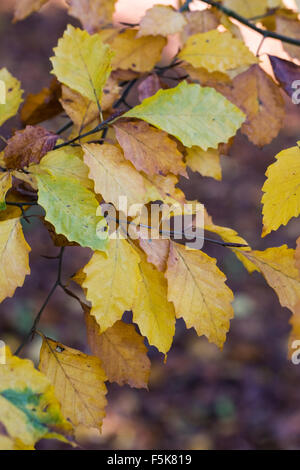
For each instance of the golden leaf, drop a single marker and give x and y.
(248, 9)
(14, 261)
(216, 51)
(198, 291)
(282, 190)
(138, 54)
(111, 282)
(152, 312)
(114, 177)
(13, 96)
(278, 268)
(78, 381)
(5, 185)
(29, 410)
(207, 163)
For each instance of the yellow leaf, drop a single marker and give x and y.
(92, 14)
(82, 110)
(7, 443)
(78, 381)
(122, 352)
(152, 312)
(207, 163)
(13, 96)
(5, 185)
(248, 9)
(14, 261)
(278, 268)
(111, 282)
(216, 51)
(114, 177)
(29, 410)
(66, 162)
(138, 54)
(82, 62)
(149, 149)
(161, 20)
(199, 293)
(281, 200)
(24, 8)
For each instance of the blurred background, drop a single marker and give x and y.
(245, 397)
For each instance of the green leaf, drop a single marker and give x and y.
(72, 209)
(195, 115)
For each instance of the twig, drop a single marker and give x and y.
(98, 128)
(173, 232)
(64, 128)
(264, 32)
(40, 312)
(125, 93)
(260, 46)
(21, 204)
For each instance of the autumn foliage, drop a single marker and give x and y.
(184, 114)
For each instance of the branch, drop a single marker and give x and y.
(264, 32)
(98, 128)
(40, 312)
(125, 93)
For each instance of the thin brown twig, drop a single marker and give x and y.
(57, 283)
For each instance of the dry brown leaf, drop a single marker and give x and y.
(157, 251)
(149, 149)
(255, 93)
(28, 146)
(92, 13)
(289, 26)
(24, 8)
(149, 86)
(161, 20)
(122, 352)
(198, 22)
(43, 105)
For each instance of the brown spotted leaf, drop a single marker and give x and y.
(28, 146)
